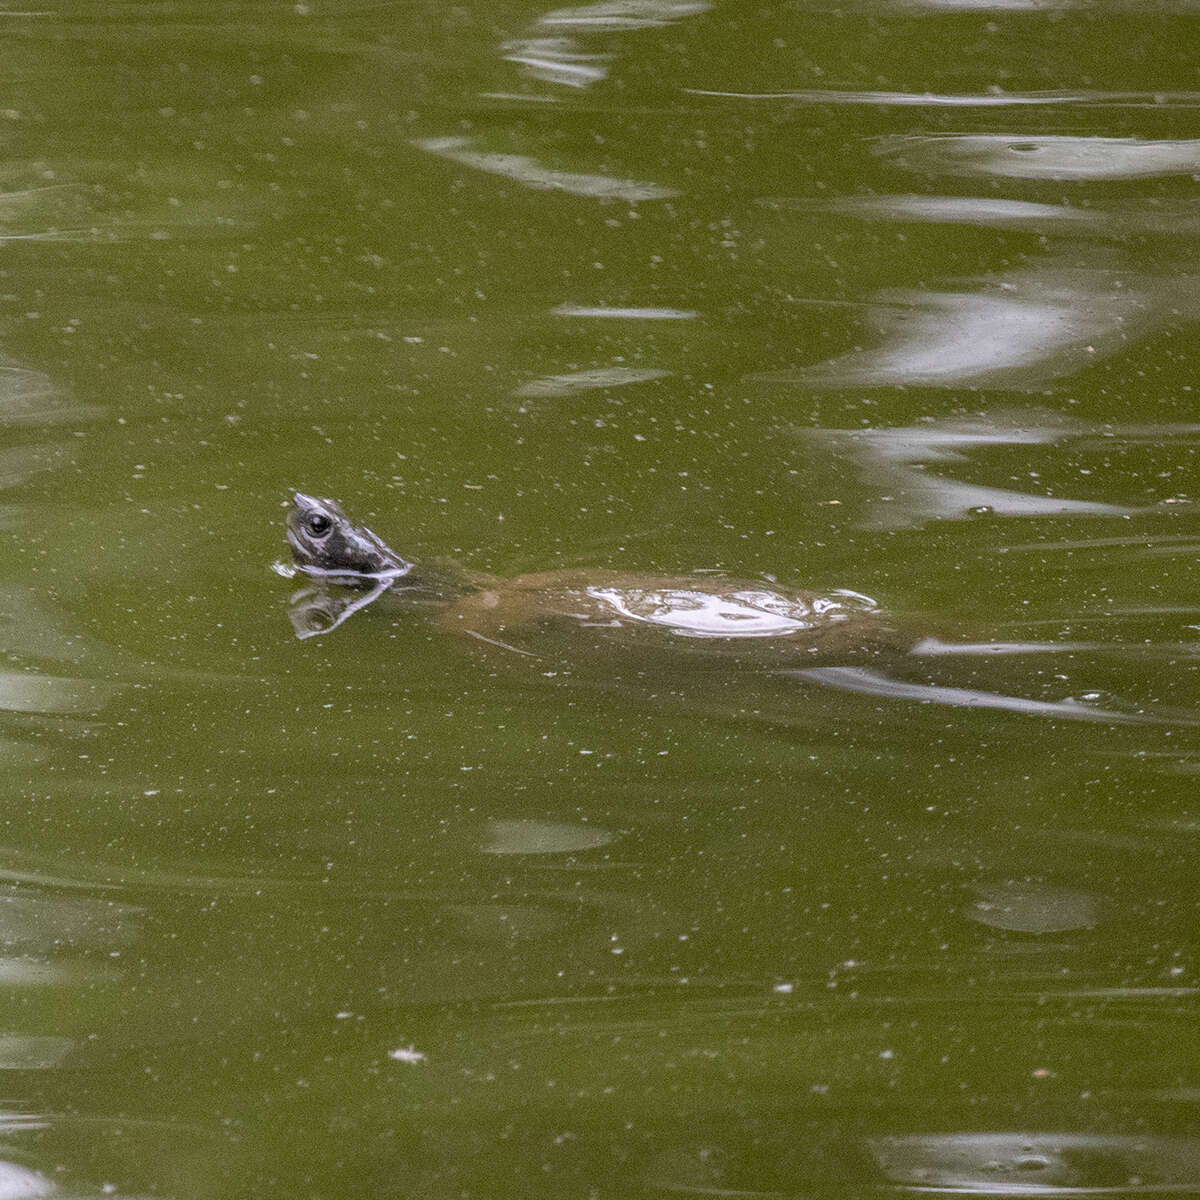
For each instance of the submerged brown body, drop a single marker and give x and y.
(696, 615)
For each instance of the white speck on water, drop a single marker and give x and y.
(407, 1054)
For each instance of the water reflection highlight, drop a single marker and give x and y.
(903, 493)
(1060, 158)
(1018, 332)
(526, 170)
(551, 51)
(1032, 1164)
(870, 683)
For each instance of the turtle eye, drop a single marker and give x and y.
(318, 524)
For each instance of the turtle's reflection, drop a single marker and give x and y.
(323, 605)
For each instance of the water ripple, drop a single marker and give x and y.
(523, 169)
(1017, 332)
(892, 462)
(871, 683)
(549, 55)
(1117, 219)
(989, 99)
(613, 313)
(1058, 157)
(585, 381)
(1033, 1164)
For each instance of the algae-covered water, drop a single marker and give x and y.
(893, 297)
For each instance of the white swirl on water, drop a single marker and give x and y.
(745, 613)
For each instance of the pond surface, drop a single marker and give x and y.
(899, 298)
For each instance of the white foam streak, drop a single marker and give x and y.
(869, 683)
(1057, 157)
(1117, 219)
(603, 312)
(585, 381)
(528, 172)
(901, 99)
(892, 461)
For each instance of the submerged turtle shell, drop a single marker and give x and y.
(568, 613)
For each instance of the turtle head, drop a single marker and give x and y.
(324, 539)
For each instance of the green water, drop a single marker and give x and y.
(900, 298)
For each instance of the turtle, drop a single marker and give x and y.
(702, 613)
(623, 623)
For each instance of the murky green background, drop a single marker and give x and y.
(894, 296)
